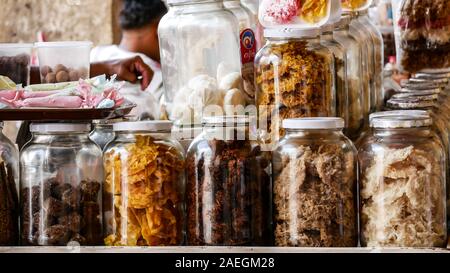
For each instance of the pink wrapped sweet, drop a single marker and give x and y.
(282, 11)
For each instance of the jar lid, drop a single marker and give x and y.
(424, 91)
(59, 127)
(420, 113)
(416, 96)
(15, 46)
(436, 71)
(146, 126)
(314, 123)
(227, 120)
(291, 32)
(433, 75)
(419, 84)
(409, 105)
(400, 121)
(430, 80)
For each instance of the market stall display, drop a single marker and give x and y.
(312, 159)
(15, 61)
(228, 190)
(9, 183)
(61, 186)
(402, 184)
(144, 184)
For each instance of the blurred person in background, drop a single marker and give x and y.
(139, 20)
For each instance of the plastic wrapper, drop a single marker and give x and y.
(423, 33)
(294, 13)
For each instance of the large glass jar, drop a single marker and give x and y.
(315, 180)
(144, 185)
(378, 47)
(9, 200)
(61, 176)
(402, 171)
(228, 186)
(295, 78)
(200, 58)
(349, 105)
(357, 97)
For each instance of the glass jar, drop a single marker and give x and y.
(144, 186)
(200, 58)
(295, 78)
(402, 188)
(228, 186)
(61, 176)
(9, 199)
(378, 47)
(102, 134)
(315, 180)
(357, 95)
(349, 105)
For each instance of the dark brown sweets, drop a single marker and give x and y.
(60, 73)
(229, 195)
(16, 68)
(61, 213)
(315, 197)
(9, 207)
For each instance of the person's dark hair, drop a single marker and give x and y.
(139, 13)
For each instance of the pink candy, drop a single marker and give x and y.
(282, 11)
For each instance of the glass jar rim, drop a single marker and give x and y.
(416, 96)
(60, 127)
(236, 120)
(143, 126)
(400, 121)
(314, 123)
(420, 113)
(291, 32)
(410, 105)
(183, 2)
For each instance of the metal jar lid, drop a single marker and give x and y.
(401, 121)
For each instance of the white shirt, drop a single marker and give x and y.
(147, 101)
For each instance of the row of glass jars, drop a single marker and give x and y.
(231, 184)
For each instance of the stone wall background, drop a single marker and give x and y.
(92, 20)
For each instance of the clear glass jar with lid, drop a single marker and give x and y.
(229, 189)
(61, 176)
(315, 185)
(9, 184)
(349, 105)
(358, 95)
(295, 78)
(200, 58)
(378, 51)
(402, 187)
(144, 186)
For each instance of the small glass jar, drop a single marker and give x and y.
(315, 180)
(349, 105)
(402, 188)
(61, 176)
(378, 47)
(9, 199)
(357, 91)
(228, 186)
(200, 59)
(102, 134)
(144, 186)
(295, 78)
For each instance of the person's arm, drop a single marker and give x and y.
(127, 70)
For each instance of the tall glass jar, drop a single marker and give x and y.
(349, 105)
(61, 176)
(295, 78)
(402, 170)
(200, 58)
(144, 186)
(228, 186)
(378, 47)
(315, 180)
(357, 92)
(9, 199)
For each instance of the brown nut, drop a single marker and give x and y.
(60, 67)
(62, 76)
(50, 78)
(74, 75)
(45, 70)
(84, 73)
